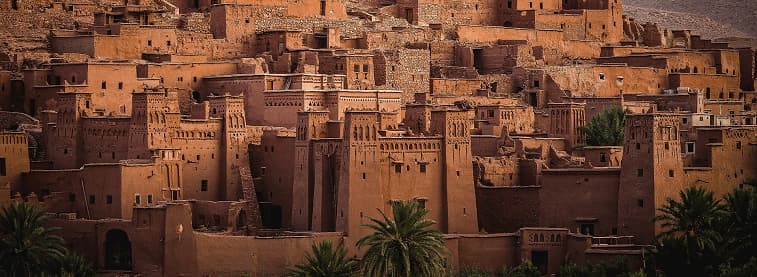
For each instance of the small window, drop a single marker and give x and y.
(536, 84)
(3, 169)
(458, 173)
(601, 76)
(640, 172)
(365, 68)
(364, 175)
(667, 146)
(397, 168)
(109, 199)
(204, 185)
(149, 42)
(174, 195)
(168, 43)
(490, 113)
(640, 203)
(357, 68)
(198, 157)
(247, 21)
(738, 145)
(149, 199)
(671, 173)
(91, 199)
(72, 197)
(602, 157)
(104, 85)
(137, 199)
(423, 168)
(638, 146)
(120, 85)
(689, 147)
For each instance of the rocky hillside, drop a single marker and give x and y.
(711, 18)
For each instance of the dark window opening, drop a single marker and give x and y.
(91, 199)
(587, 228)
(640, 203)
(323, 7)
(72, 197)
(640, 172)
(109, 199)
(204, 185)
(174, 195)
(423, 168)
(104, 85)
(149, 199)
(397, 168)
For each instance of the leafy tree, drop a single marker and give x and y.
(689, 243)
(327, 261)
(605, 129)
(27, 246)
(525, 269)
(403, 245)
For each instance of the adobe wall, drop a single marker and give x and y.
(496, 172)
(571, 197)
(111, 189)
(506, 209)
(73, 44)
(224, 255)
(487, 252)
(272, 161)
(713, 86)
(133, 40)
(14, 160)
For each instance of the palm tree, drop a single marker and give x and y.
(27, 246)
(693, 218)
(405, 245)
(690, 227)
(327, 262)
(741, 222)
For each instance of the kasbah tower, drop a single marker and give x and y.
(221, 138)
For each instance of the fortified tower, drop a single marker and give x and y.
(67, 150)
(565, 118)
(361, 192)
(230, 109)
(652, 171)
(310, 125)
(459, 190)
(153, 122)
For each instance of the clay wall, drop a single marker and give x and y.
(605, 80)
(572, 197)
(111, 189)
(506, 209)
(487, 252)
(266, 256)
(14, 160)
(713, 86)
(454, 86)
(107, 139)
(603, 156)
(272, 162)
(496, 171)
(201, 143)
(130, 41)
(189, 76)
(73, 44)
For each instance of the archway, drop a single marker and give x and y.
(117, 250)
(507, 24)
